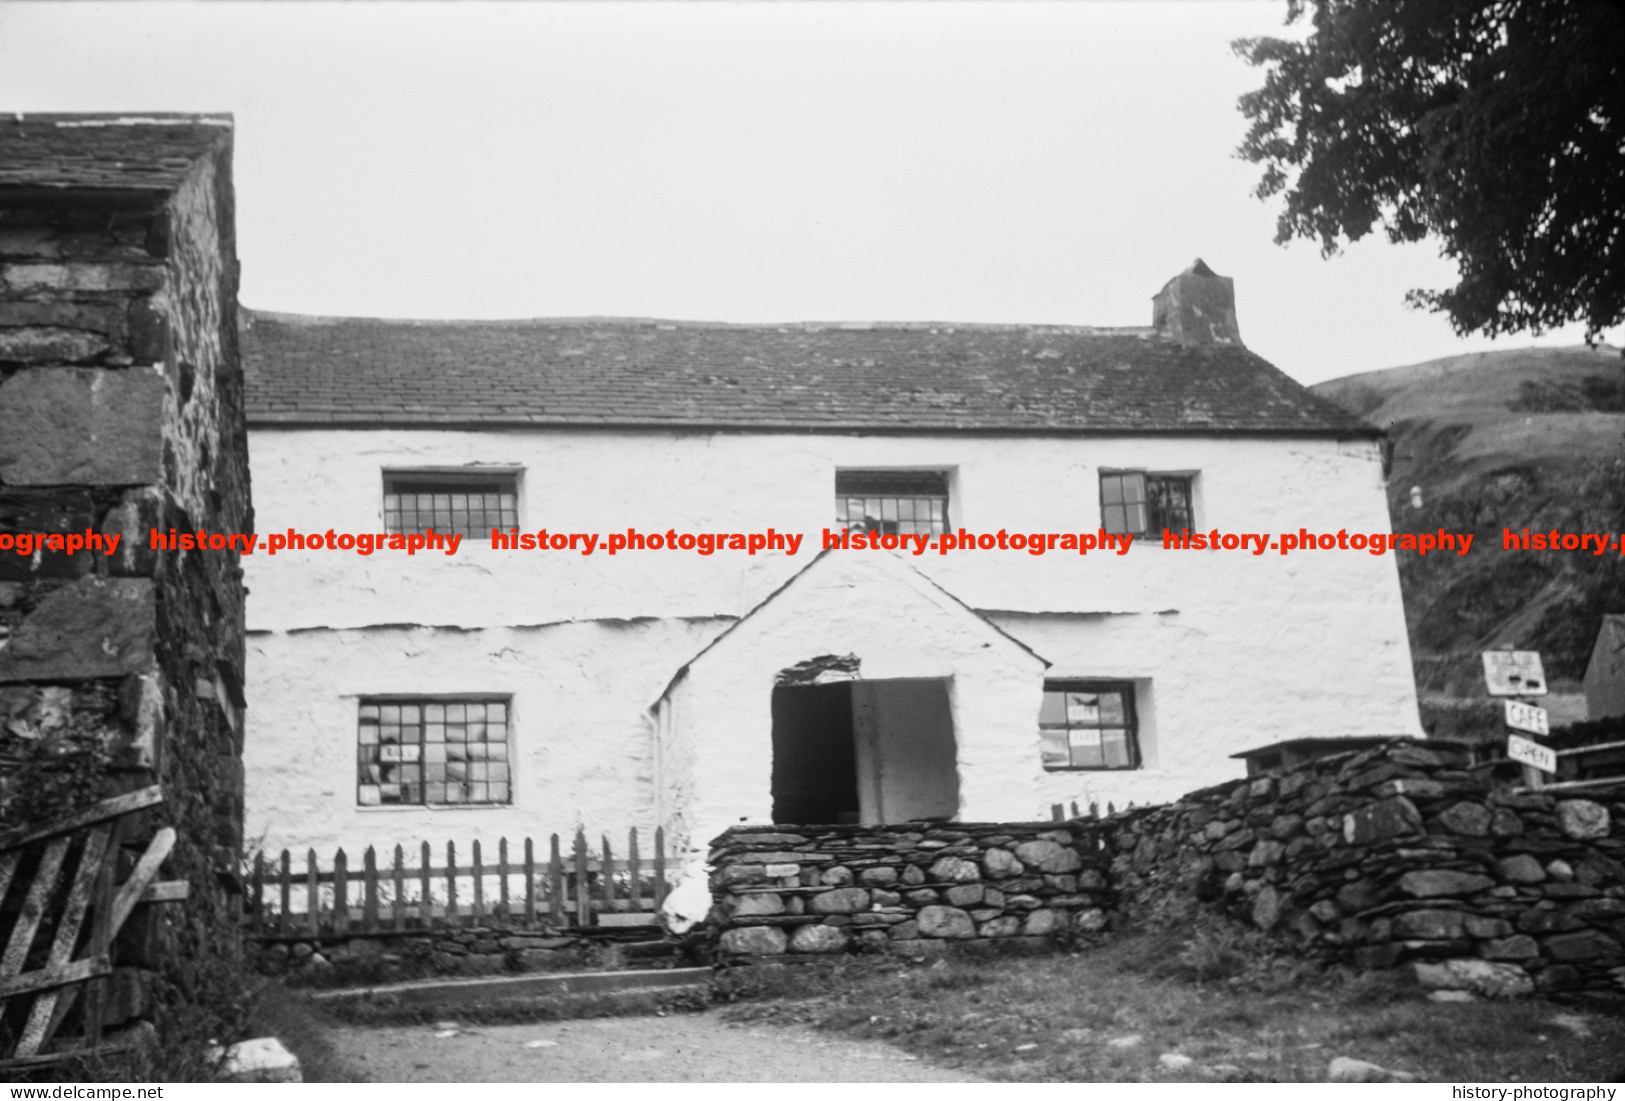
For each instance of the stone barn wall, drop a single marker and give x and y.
(121, 412)
(911, 888)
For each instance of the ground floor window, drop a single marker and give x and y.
(433, 752)
(1088, 724)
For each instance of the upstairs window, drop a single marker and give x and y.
(466, 504)
(1133, 502)
(442, 752)
(892, 502)
(1088, 724)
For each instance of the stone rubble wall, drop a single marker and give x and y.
(912, 888)
(120, 411)
(1398, 855)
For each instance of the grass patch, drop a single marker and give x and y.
(1217, 995)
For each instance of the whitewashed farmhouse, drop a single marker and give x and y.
(495, 692)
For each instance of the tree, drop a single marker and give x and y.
(1496, 127)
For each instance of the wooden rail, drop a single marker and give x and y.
(522, 888)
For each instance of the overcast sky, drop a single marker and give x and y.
(739, 162)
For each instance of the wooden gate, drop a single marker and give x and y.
(39, 984)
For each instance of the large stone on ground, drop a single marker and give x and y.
(1047, 856)
(1344, 1069)
(841, 900)
(1582, 819)
(819, 938)
(261, 1060)
(878, 877)
(1492, 980)
(1266, 908)
(1589, 945)
(81, 426)
(1436, 883)
(754, 940)
(963, 894)
(1001, 927)
(1090, 921)
(947, 922)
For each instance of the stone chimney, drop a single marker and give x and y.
(1197, 307)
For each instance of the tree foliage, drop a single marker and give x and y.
(1496, 127)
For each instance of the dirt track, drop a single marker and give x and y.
(680, 1048)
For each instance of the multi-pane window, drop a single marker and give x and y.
(452, 504)
(892, 502)
(1088, 724)
(1133, 502)
(432, 752)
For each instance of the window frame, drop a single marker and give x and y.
(1147, 500)
(1132, 727)
(424, 753)
(894, 494)
(507, 479)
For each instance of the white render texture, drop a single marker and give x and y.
(1230, 650)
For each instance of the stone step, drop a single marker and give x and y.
(514, 987)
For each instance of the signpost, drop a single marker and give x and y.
(1518, 673)
(1526, 716)
(1533, 754)
(1514, 673)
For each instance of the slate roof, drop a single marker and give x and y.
(111, 152)
(802, 377)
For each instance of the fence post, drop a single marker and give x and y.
(530, 882)
(369, 889)
(583, 899)
(398, 910)
(555, 886)
(479, 885)
(451, 882)
(313, 895)
(284, 895)
(634, 870)
(258, 910)
(660, 866)
(606, 876)
(341, 893)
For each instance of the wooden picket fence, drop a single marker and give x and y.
(581, 889)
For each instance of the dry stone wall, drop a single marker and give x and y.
(914, 888)
(1404, 854)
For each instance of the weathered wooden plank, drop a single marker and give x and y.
(313, 895)
(144, 872)
(257, 906)
(99, 812)
(555, 884)
(583, 899)
(284, 894)
(634, 869)
(530, 882)
(425, 895)
(341, 893)
(47, 978)
(36, 1030)
(502, 878)
(398, 913)
(479, 884)
(170, 890)
(660, 866)
(451, 881)
(606, 876)
(369, 898)
(33, 911)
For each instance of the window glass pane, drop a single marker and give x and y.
(1111, 708)
(1113, 519)
(1083, 707)
(1115, 748)
(1111, 489)
(1136, 521)
(1052, 747)
(1133, 488)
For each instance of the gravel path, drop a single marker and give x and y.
(681, 1048)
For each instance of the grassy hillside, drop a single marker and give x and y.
(1532, 438)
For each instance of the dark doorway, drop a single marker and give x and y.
(815, 767)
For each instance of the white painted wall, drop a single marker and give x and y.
(1233, 650)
